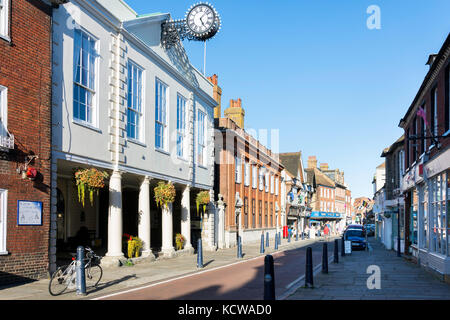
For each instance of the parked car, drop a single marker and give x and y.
(354, 226)
(357, 236)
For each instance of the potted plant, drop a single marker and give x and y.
(89, 180)
(180, 241)
(134, 247)
(202, 199)
(164, 194)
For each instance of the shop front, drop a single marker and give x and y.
(428, 225)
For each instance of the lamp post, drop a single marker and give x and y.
(237, 209)
(398, 194)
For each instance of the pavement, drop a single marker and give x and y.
(350, 279)
(116, 279)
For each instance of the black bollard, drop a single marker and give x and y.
(199, 254)
(336, 251)
(239, 248)
(309, 269)
(267, 239)
(269, 278)
(80, 274)
(325, 258)
(276, 241)
(343, 247)
(261, 250)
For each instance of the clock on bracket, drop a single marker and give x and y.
(202, 21)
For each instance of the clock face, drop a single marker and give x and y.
(200, 19)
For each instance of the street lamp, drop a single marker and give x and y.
(399, 195)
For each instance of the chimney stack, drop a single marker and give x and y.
(324, 166)
(235, 112)
(217, 94)
(312, 162)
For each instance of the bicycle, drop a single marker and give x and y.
(65, 276)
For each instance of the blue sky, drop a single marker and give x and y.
(314, 71)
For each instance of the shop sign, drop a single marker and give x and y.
(29, 213)
(348, 247)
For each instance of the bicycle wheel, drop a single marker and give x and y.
(93, 275)
(59, 280)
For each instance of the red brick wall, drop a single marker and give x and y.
(25, 69)
(440, 84)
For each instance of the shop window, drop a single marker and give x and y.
(438, 223)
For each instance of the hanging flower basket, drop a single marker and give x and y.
(91, 181)
(164, 194)
(202, 200)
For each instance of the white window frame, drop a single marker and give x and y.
(201, 138)
(267, 182)
(161, 113)
(254, 176)
(237, 169)
(272, 184)
(277, 182)
(247, 173)
(92, 89)
(261, 180)
(181, 125)
(4, 19)
(3, 220)
(4, 111)
(139, 108)
(435, 110)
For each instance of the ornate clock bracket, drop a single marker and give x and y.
(173, 32)
(177, 30)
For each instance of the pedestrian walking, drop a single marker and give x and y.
(326, 231)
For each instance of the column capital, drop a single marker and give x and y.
(146, 180)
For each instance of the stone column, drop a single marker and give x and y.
(167, 231)
(186, 218)
(114, 254)
(144, 225)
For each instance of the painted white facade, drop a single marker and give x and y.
(121, 36)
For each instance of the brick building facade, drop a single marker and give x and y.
(426, 127)
(246, 173)
(25, 99)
